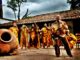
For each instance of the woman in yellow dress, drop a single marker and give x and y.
(44, 35)
(24, 36)
(14, 29)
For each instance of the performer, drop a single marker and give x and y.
(49, 38)
(15, 30)
(24, 36)
(44, 35)
(33, 37)
(72, 39)
(38, 36)
(60, 34)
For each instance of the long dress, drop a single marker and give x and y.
(33, 38)
(15, 31)
(24, 37)
(44, 36)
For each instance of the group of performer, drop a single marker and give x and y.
(55, 34)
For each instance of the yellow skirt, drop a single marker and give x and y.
(71, 39)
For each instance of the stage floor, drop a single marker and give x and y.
(43, 54)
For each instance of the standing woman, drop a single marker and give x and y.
(38, 36)
(15, 31)
(24, 36)
(33, 37)
(44, 35)
(49, 37)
